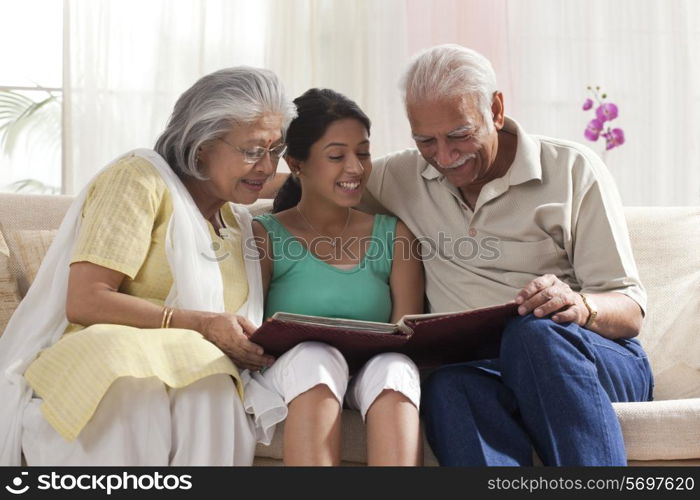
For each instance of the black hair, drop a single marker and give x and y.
(317, 109)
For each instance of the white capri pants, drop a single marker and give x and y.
(141, 421)
(313, 363)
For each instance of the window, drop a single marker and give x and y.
(31, 34)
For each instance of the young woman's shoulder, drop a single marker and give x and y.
(402, 229)
(389, 220)
(363, 216)
(289, 219)
(279, 223)
(402, 233)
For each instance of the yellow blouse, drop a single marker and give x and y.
(124, 223)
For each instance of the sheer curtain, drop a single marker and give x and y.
(644, 53)
(128, 61)
(358, 48)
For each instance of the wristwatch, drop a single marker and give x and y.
(592, 309)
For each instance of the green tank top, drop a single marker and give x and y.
(304, 284)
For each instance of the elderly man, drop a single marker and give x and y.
(547, 224)
(504, 215)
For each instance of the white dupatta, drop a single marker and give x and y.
(40, 319)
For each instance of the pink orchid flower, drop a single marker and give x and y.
(606, 112)
(593, 129)
(599, 126)
(614, 138)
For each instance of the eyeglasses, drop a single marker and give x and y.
(254, 155)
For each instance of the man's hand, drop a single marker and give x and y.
(549, 295)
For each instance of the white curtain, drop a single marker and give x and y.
(646, 56)
(128, 61)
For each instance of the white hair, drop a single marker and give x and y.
(450, 70)
(216, 102)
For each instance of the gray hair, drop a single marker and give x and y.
(450, 70)
(207, 110)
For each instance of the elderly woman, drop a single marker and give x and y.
(143, 304)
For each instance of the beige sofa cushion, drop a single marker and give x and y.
(9, 294)
(661, 430)
(27, 249)
(23, 212)
(666, 244)
(32, 211)
(29, 212)
(656, 430)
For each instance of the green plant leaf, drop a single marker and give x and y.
(12, 105)
(32, 186)
(20, 116)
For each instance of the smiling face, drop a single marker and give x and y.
(338, 165)
(451, 135)
(230, 177)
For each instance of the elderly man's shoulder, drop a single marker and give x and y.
(572, 158)
(405, 158)
(403, 166)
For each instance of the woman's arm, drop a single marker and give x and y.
(407, 280)
(94, 297)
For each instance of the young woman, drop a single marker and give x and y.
(319, 256)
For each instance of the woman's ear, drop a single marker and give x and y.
(294, 165)
(202, 159)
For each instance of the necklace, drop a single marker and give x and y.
(333, 241)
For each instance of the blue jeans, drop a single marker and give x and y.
(551, 389)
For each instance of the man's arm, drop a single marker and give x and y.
(602, 259)
(618, 315)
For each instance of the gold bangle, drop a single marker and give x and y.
(167, 311)
(168, 317)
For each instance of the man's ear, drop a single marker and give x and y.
(498, 110)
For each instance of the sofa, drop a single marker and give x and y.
(666, 244)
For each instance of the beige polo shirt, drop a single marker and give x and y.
(556, 211)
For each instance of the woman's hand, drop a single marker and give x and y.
(229, 333)
(93, 297)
